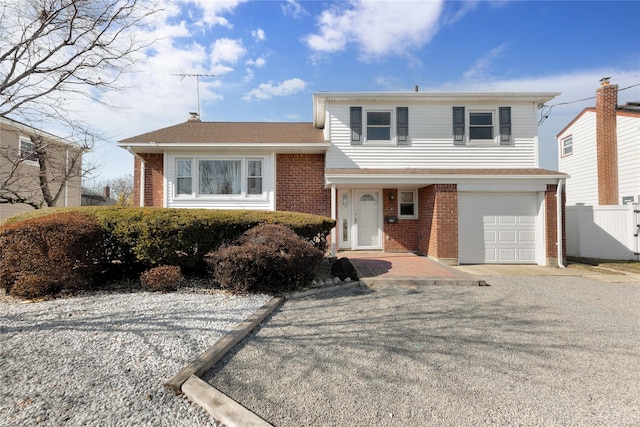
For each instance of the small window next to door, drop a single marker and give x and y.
(345, 217)
(407, 201)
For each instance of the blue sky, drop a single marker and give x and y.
(268, 57)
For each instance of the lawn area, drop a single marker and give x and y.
(630, 266)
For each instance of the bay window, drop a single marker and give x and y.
(233, 177)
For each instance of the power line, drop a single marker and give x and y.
(197, 76)
(545, 115)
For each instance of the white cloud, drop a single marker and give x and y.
(269, 90)
(258, 34)
(227, 50)
(376, 28)
(212, 10)
(258, 62)
(292, 8)
(480, 67)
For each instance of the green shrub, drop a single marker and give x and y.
(165, 278)
(266, 259)
(45, 255)
(141, 238)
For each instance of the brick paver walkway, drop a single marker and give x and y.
(398, 265)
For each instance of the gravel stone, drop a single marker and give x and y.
(538, 351)
(101, 359)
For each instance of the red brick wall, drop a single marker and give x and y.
(401, 236)
(300, 184)
(438, 221)
(153, 179)
(551, 225)
(607, 144)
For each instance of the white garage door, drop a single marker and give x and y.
(497, 228)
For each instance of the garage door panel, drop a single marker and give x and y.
(527, 236)
(506, 236)
(506, 254)
(506, 220)
(508, 227)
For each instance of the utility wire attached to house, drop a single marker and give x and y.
(546, 109)
(182, 75)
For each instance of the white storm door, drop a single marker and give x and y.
(368, 220)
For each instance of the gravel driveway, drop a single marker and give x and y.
(523, 351)
(101, 360)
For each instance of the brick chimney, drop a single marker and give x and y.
(106, 192)
(607, 143)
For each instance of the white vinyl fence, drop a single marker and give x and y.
(608, 232)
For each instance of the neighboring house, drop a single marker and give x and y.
(92, 198)
(454, 176)
(600, 150)
(20, 169)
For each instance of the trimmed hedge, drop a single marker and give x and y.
(266, 259)
(136, 239)
(42, 256)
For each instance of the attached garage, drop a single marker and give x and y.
(498, 228)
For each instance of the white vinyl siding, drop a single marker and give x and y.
(252, 179)
(582, 185)
(432, 140)
(629, 157)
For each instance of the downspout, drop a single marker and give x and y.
(559, 231)
(141, 175)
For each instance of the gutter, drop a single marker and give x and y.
(559, 221)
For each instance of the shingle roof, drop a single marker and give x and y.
(233, 132)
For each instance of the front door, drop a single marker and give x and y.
(367, 220)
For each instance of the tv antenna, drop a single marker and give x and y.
(197, 76)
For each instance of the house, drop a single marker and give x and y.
(21, 178)
(93, 198)
(454, 176)
(600, 150)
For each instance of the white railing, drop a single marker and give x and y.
(608, 232)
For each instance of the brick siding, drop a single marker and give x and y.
(153, 179)
(551, 225)
(438, 222)
(300, 184)
(401, 236)
(607, 144)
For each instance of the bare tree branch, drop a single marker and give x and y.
(51, 51)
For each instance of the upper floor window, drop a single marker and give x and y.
(28, 150)
(567, 146)
(379, 125)
(481, 126)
